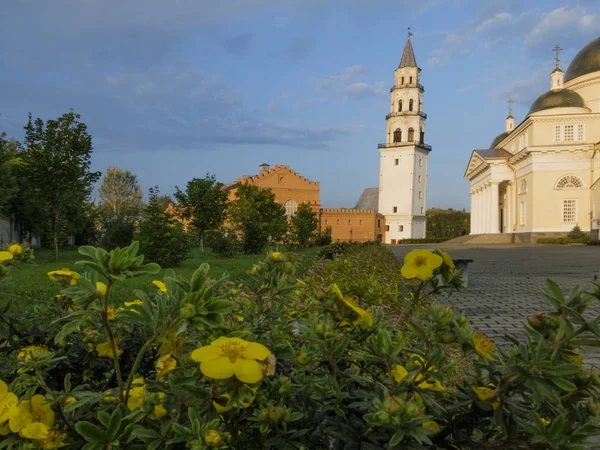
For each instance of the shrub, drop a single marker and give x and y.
(563, 240)
(421, 241)
(199, 363)
(339, 248)
(576, 233)
(161, 236)
(593, 242)
(323, 237)
(117, 232)
(223, 243)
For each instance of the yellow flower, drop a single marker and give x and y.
(32, 419)
(362, 316)
(105, 349)
(277, 256)
(5, 256)
(213, 438)
(399, 373)
(8, 401)
(162, 287)
(165, 364)
(172, 344)
(336, 290)
(484, 394)
(545, 421)
(4, 429)
(137, 301)
(54, 439)
(228, 407)
(576, 359)
(65, 275)
(238, 317)
(34, 352)
(420, 264)
(70, 400)
(432, 425)
(108, 398)
(110, 312)
(483, 346)
(101, 288)
(226, 357)
(159, 410)
(16, 249)
(136, 394)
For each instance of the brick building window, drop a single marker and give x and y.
(569, 211)
(378, 223)
(290, 208)
(387, 228)
(338, 222)
(349, 222)
(360, 222)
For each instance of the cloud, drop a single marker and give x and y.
(349, 84)
(524, 91)
(494, 22)
(350, 74)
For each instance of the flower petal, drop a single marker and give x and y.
(3, 389)
(257, 351)
(408, 271)
(219, 342)
(7, 406)
(434, 261)
(219, 369)
(399, 373)
(35, 430)
(424, 273)
(247, 370)
(206, 353)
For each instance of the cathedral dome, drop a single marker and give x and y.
(586, 61)
(557, 99)
(498, 139)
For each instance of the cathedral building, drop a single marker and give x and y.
(396, 209)
(540, 177)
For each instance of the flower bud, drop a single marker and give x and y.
(276, 256)
(187, 310)
(91, 335)
(256, 270)
(446, 337)
(462, 321)
(536, 321)
(276, 413)
(411, 410)
(303, 359)
(392, 405)
(443, 315)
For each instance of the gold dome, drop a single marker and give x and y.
(557, 99)
(586, 61)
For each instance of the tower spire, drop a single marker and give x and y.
(408, 55)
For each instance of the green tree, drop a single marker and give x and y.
(161, 235)
(120, 206)
(57, 161)
(203, 204)
(303, 225)
(9, 180)
(257, 217)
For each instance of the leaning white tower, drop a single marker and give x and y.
(403, 158)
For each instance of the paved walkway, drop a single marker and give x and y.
(505, 283)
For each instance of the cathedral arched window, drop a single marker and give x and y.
(400, 106)
(398, 135)
(569, 181)
(290, 208)
(410, 80)
(410, 104)
(402, 80)
(411, 134)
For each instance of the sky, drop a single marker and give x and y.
(175, 89)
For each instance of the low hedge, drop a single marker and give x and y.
(421, 241)
(564, 240)
(336, 249)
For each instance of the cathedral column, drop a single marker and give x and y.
(495, 206)
(472, 194)
(479, 210)
(508, 205)
(486, 209)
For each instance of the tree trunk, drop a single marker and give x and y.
(56, 217)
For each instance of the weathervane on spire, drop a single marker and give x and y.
(557, 49)
(510, 103)
(409, 33)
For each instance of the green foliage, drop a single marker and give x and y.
(576, 233)
(340, 248)
(257, 216)
(303, 225)
(9, 179)
(426, 240)
(447, 223)
(323, 237)
(564, 240)
(161, 235)
(117, 232)
(322, 372)
(203, 204)
(223, 243)
(57, 161)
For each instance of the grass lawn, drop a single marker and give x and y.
(29, 282)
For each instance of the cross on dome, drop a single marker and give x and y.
(557, 59)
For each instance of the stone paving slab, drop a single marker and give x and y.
(505, 283)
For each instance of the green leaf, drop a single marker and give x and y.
(87, 250)
(67, 382)
(563, 384)
(114, 425)
(397, 438)
(90, 432)
(104, 418)
(66, 330)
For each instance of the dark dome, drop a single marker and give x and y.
(557, 99)
(498, 139)
(586, 61)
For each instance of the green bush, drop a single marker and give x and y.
(421, 241)
(117, 232)
(323, 237)
(161, 236)
(593, 243)
(339, 248)
(576, 233)
(223, 243)
(203, 364)
(563, 240)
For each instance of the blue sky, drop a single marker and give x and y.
(174, 89)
